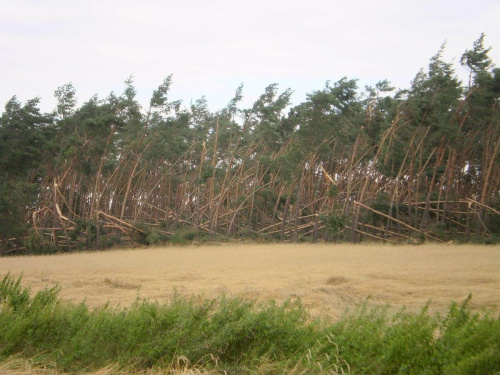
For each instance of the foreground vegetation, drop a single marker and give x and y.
(347, 164)
(239, 336)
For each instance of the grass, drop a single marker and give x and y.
(397, 275)
(239, 336)
(20, 366)
(119, 284)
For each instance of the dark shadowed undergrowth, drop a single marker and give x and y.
(240, 336)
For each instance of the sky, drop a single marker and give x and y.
(211, 47)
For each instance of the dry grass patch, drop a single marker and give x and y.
(19, 366)
(119, 284)
(336, 280)
(397, 275)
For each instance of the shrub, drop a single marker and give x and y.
(235, 335)
(182, 237)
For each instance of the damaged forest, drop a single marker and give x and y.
(347, 164)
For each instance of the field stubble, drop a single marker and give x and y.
(327, 278)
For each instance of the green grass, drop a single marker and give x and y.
(239, 336)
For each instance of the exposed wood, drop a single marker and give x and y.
(404, 224)
(122, 222)
(373, 236)
(482, 205)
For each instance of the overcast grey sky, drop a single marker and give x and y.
(211, 47)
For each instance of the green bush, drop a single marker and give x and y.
(185, 236)
(149, 235)
(242, 336)
(35, 244)
(491, 240)
(248, 233)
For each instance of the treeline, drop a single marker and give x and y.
(346, 164)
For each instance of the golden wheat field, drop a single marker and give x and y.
(327, 277)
